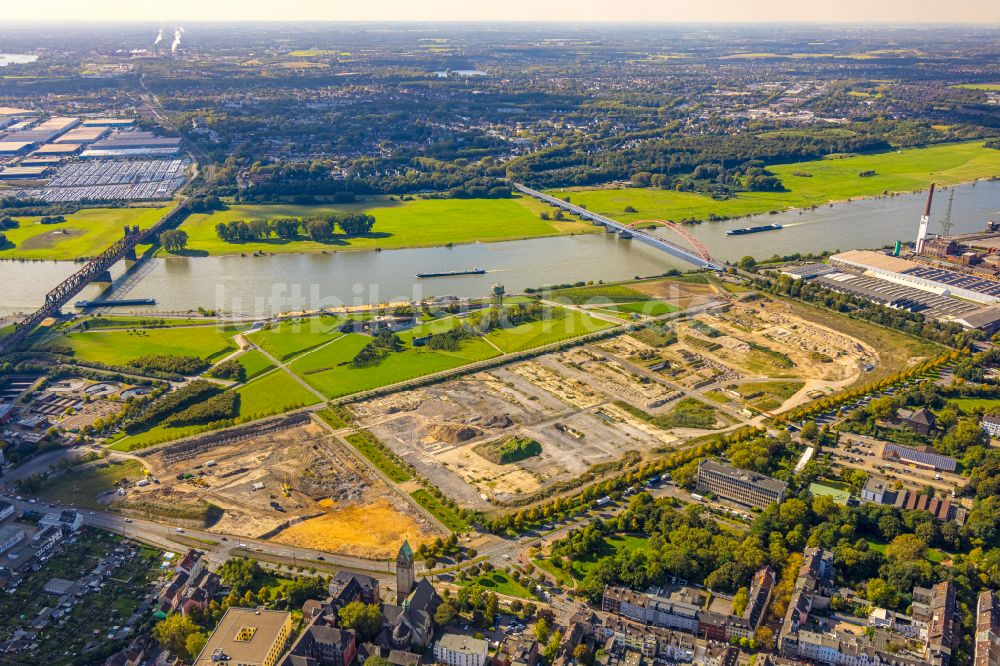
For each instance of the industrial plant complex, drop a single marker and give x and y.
(949, 278)
(76, 159)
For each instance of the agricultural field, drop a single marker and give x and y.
(398, 224)
(813, 183)
(85, 233)
(988, 87)
(118, 347)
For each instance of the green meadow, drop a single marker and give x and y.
(293, 336)
(565, 324)
(814, 183)
(329, 369)
(117, 347)
(416, 223)
(254, 363)
(85, 233)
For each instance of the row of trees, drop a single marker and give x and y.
(288, 228)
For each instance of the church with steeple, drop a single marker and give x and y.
(405, 577)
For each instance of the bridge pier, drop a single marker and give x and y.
(103, 278)
(130, 257)
(624, 234)
(610, 229)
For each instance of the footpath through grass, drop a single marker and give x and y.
(812, 183)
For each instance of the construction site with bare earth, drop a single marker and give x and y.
(298, 486)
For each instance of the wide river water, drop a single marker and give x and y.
(261, 286)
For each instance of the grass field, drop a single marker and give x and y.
(832, 179)
(254, 363)
(292, 336)
(501, 583)
(329, 369)
(418, 223)
(81, 488)
(597, 295)
(85, 233)
(445, 514)
(566, 324)
(117, 347)
(648, 308)
(969, 405)
(272, 393)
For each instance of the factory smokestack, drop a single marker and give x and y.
(159, 37)
(924, 220)
(177, 40)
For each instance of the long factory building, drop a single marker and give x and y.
(940, 293)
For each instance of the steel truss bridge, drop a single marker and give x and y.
(697, 254)
(95, 270)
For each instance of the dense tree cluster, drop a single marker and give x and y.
(172, 403)
(180, 365)
(319, 229)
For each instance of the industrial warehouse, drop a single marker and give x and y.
(949, 278)
(69, 159)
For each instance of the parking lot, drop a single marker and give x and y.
(112, 180)
(864, 453)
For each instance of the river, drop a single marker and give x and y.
(261, 286)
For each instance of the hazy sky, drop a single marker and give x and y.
(976, 11)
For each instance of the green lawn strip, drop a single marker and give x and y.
(254, 363)
(85, 233)
(970, 405)
(834, 178)
(417, 223)
(501, 583)
(368, 446)
(293, 336)
(647, 308)
(142, 321)
(564, 325)
(445, 514)
(119, 347)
